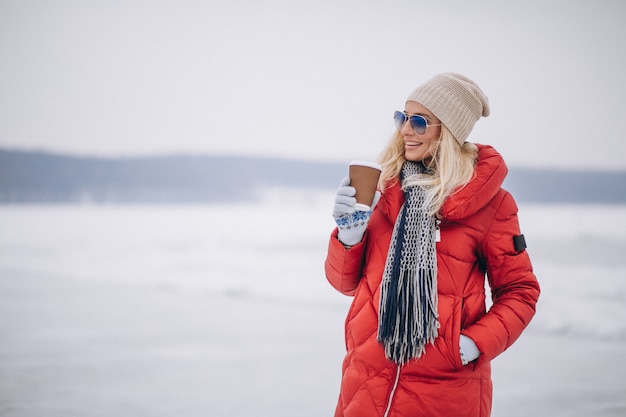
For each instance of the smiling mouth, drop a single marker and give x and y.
(412, 143)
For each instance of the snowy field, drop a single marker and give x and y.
(224, 310)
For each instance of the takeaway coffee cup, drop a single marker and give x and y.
(364, 177)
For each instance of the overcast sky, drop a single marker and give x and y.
(310, 80)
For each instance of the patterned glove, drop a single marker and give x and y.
(469, 350)
(351, 223)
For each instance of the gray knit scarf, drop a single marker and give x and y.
(408, 317)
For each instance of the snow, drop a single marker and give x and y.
(224, 310)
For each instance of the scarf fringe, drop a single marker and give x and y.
(406, 328)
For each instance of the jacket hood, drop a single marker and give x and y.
(489, 174)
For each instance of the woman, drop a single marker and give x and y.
(418, 336)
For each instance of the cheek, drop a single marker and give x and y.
(434, 133)
(432, 144)
(432, 139)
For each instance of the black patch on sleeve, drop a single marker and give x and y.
(519, 243)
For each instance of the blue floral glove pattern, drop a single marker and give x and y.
(352, 226)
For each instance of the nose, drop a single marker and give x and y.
(407, 129)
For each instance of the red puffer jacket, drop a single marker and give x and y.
(478, 225)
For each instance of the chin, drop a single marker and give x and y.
(414, 157)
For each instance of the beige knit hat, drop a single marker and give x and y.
(455, 99)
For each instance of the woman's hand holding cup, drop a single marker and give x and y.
(355, 200)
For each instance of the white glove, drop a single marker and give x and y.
(469, 350)
(344, 200)
(351, 223)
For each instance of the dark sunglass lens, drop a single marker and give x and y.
(418, 123)
(399, 118)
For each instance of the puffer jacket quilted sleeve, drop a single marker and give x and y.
(344, 265)
(514, 288)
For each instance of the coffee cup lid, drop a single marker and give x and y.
(366, 164)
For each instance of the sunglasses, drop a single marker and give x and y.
(418, 123)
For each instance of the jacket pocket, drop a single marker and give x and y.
(455, 339)
(447, 344)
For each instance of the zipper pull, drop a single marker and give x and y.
(437, 231)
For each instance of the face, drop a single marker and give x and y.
(419, 147)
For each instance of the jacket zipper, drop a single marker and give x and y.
(393, 391)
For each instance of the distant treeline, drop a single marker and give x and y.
(39, 177)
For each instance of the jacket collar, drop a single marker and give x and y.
(489, 175)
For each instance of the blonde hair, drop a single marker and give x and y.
(452, 167)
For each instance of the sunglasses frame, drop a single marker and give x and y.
(420, 130)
